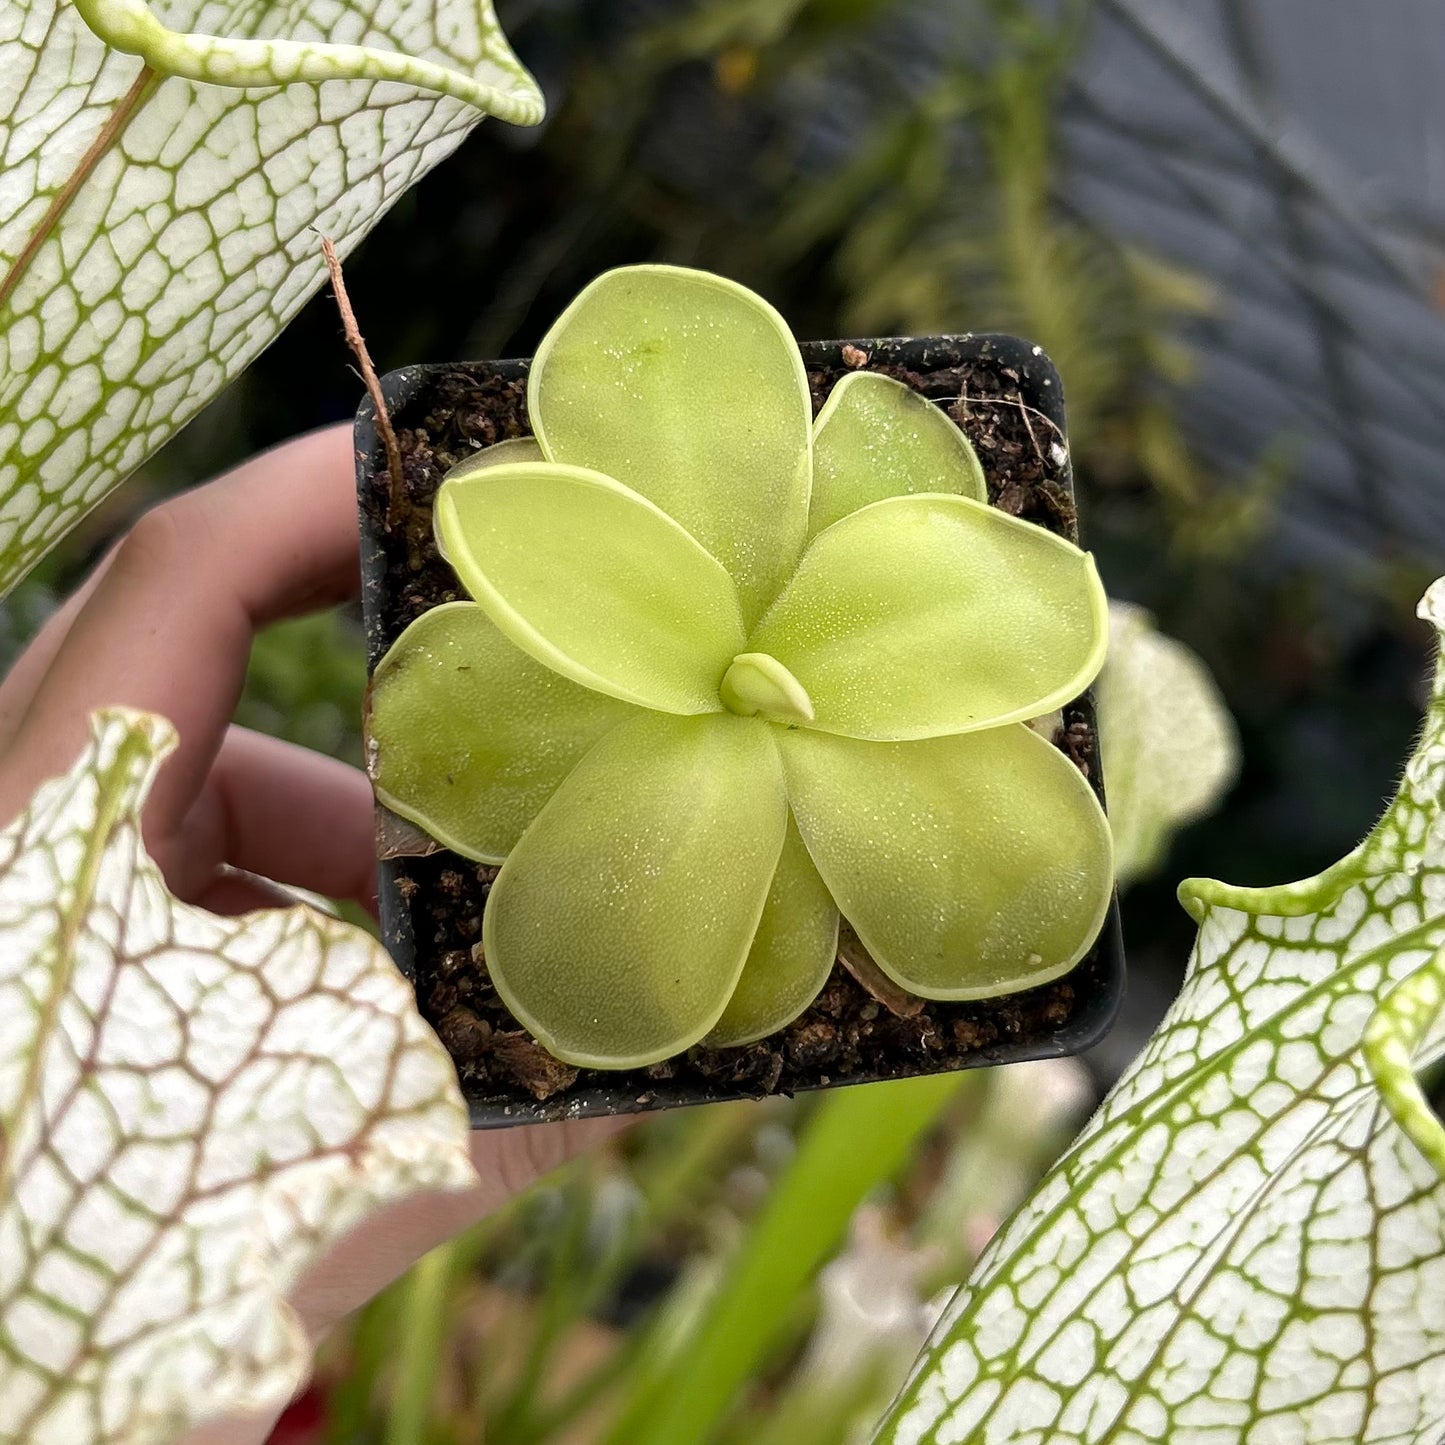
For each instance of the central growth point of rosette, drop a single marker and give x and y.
(756, 685)
(730, 672)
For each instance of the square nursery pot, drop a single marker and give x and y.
(1006, 396)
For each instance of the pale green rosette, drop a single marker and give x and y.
(729, 674)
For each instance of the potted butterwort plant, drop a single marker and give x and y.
(728, 716)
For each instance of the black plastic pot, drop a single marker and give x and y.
(1007, 396)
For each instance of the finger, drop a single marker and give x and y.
(169, 625)
(18, 685)
(231, 892)
(391, 1241)
(235, 1430)
(277, 810)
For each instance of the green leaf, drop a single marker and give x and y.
(469, 737)
(691, 390)
(878, 438)
(1170, 748)
(594, 581)
(792, 953)
(920, 616)
(618, 926)
(514, 449)
(421, 1336)
(192, 1109)
(158, 231)
(1244, 1244)
(970, 866)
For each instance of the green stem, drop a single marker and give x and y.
(422, 1331)
(857, 1139)
(351, 1400)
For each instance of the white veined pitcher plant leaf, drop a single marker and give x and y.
(192, 1108)
(1170, 747)
(158, 229)
(1247, 1243)
(1408, 1027)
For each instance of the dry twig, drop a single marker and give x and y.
(357, 343)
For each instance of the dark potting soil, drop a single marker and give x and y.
(855, 1031)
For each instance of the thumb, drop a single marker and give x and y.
(386, 1245)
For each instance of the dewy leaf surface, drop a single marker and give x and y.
(878, 438)
(792, 953)
(691, 390)
(156, 232)
(594, 581)
(516, 449)
(191, 1109)
(468, 736)
(614, 932)
(1244, 1244)
(969, 865)
(925, 615)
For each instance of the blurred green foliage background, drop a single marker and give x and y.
(820, 151)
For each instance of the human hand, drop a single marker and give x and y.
(166, 625)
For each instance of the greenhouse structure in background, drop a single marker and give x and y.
(1293, 154)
